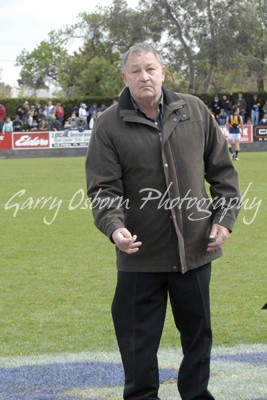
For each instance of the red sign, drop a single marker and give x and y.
(31, 140)
(247, 133)
(6, 141)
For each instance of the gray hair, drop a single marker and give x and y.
(139, 48)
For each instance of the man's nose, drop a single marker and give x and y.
(144, 76)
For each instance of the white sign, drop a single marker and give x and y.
(70, 138)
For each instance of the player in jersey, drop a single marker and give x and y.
(234, 124)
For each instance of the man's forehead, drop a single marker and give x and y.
(142, 58)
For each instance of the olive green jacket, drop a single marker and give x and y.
(193, 155)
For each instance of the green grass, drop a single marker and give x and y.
(57, 279)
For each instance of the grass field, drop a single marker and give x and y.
(58, 272)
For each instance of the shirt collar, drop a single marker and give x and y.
(160, 110)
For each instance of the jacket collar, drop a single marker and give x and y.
(172, 102)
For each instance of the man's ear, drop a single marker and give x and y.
(163, 73)
(123, 75)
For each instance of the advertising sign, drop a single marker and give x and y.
(247, 133)
(31, 140)
(70, 138)
(260, 133)
(6, 141)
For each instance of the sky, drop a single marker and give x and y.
(25, 23)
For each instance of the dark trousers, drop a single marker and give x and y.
(138, 311)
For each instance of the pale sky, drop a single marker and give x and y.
(25, 23)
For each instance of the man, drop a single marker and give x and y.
(234, 124)
(216, 106)
(147, 160)
(242, 105)
(255, 110)
(2, 116)
(50, 108)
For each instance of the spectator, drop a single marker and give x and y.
(222, 117)
(37, 110)
(92, 120)
(59, 113)
(44, 112)
(242, 105)
(43, 125)
(102, 108)
(24, 115)
(66, 128)
(264, 110)
(50, 108)
(2, 116)
(227, 104)
(81, 124)
(255, 110)
(73, 121)
(17, 124)
(8, 125)
(75, 110)
(215, 106)
(82, 112)
(263, 121)
(93, 108)
(32, 109)
(22, 109)
(30, 119)
(53, 123)
(34, 126)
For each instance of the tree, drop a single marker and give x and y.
(180, 26)
(40, 67)
(5, 90)
(205, 43)
(253, 36)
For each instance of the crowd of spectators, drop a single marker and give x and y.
(50, 117)
(254, 113)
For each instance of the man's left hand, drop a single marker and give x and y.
(218, 235)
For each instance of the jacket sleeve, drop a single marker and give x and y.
(221, 175)
(104, 182)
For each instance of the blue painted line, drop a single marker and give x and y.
(256, 359)
(45, 382)
(50, 381)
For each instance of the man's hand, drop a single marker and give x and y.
(218, 235)
(125, 241)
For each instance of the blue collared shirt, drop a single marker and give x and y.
(157, 121)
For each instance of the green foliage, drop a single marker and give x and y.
(209, 44)
(57, 280)
(40, 67)
(5, 90)
(90, 83)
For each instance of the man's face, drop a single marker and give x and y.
(144, 76)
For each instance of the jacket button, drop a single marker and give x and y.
(175, 119)
(175, 268)
(166, 165)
